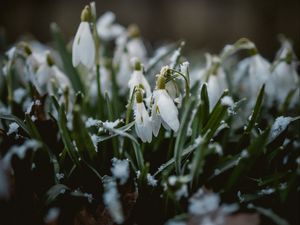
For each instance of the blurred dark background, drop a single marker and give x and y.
(204, 24)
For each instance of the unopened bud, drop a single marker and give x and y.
(133, 31)
(86, 14)
(50, 60)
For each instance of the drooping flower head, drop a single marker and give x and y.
(143, 126)
(83, 50)
(164, 110)
(138, 79)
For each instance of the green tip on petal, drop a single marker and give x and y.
(86, 14)
(161, 82)
(139, 95)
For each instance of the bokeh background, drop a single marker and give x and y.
(205, 24)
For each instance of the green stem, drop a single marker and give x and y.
(187, 83)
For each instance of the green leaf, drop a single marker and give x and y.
(65, 135)
(54, 192)
(66, 58)
(181, 137)
(15, 119)
(257, 109)
(81, 136)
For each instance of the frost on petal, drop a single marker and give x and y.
(87, 46)
(168, 110)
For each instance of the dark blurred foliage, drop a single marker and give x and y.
(204, 24)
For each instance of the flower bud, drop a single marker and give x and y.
(161, 82)
(86, 14)
(50, 60)
(133, 31)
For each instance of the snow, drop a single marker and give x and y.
(227, 101)
(13, 128)
(111, 200)
(92, 122)
(203, 202)
(279, 126)
(95, 140)
(151, 180)
(19, 94)
(52, 215)
(120, 169)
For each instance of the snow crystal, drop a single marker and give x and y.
(120, 169)
(52, 215)
(151, 180)
(227, 101)
(202, 203)
(244, 153)
(13, 128)
(60, 176)
(89, 197)
(266, 191)
(19, 94)
(111, 200)
(279, 126)
(92, 122)
(111, 124)
(182, 192)
(95, 140)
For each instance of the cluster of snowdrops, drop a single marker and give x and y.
(109, 84)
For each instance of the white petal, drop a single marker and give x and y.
(168, 110)
(155, 120)
(142, 123)
(87, 46)
(75, 47)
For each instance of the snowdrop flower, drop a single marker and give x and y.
(83, 50)
(213, 74)
(251, 74)
(164, 110)
(135, 45)
(48, 75)
(138, 79)
(284, 76)
(106, 28)
(143, 126)
(124, 73)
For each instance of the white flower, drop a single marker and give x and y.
(163, 110)
(143, 127)
(138, 79)
(124, 73)
(106, 28)
(105, 80)
(49, 75)
(83, 50)
(136, 48)
(251, 74)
